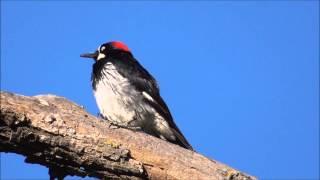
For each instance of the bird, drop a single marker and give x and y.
(128, 96)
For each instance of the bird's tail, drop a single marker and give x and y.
(181, 140)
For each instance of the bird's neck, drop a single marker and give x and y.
(118, 60)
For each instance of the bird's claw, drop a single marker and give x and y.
(113, 125)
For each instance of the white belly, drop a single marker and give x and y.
(112, 96)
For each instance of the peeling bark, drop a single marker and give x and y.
(54, 132)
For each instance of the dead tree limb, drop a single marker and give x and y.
(54, 132)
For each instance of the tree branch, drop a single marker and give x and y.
(54, 132)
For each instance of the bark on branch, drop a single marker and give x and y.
(54, 132)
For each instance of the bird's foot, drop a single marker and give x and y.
(113, 125)
(117, 125)
(135, 128)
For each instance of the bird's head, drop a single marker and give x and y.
(107, 49)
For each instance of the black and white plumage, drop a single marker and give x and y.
(128, 96)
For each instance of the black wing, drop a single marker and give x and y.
(143, 81)
(162, 108)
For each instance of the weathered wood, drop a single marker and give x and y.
(54, 132)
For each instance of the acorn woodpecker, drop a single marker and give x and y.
(127, 95)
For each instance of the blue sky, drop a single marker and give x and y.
(241, 78)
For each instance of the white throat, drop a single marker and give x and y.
(112, 95)
(101, 56)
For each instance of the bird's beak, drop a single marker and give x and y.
(90, 55)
